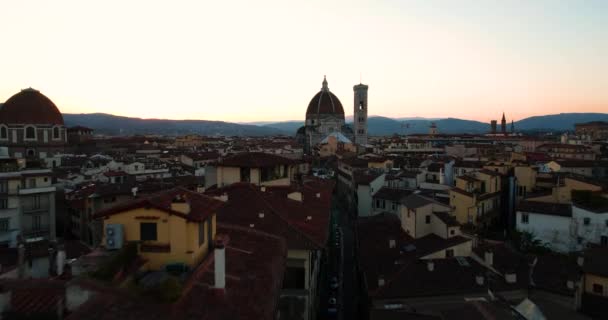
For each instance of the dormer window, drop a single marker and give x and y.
(3, 132)
(30, 133)
(56, 133)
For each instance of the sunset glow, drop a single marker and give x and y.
(264, 60)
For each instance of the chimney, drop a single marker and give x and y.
(5, 301)
(380, 281)
(261, 215)
(21, 261)
(52, 259)
(479, 280)
(223, 197)
(580, 260)
(295, 196)
(263, 189)
(570, 284)
(60, 257)
(134, 191)
(318, 195)
(510, 277)
(430, 265)
(180, 204)
(392, 243)
(489, 258)
(308, 218)
(220, 264)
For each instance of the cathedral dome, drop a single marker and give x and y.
(325, 102)
(30, 107)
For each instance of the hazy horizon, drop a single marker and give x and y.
(263, 61)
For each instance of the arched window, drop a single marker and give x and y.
(56, 133)
(30, 133)
(3, 132)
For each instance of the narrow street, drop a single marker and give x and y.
(348, 269)
(341, 263)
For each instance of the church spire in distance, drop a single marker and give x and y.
(325, 88)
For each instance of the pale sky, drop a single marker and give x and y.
(264, 60)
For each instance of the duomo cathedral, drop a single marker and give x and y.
(325, 116)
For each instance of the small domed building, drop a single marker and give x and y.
(31, 126)
(325, 115)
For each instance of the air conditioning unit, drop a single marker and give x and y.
(114, 236)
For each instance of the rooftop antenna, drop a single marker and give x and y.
(360, 77)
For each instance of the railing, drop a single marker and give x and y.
(35, 233)
(32, 209)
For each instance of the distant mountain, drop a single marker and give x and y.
(110, 124)
(562, 121)
(114, 125)
(386, 126)
(287, 126)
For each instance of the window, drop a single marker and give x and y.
(394, 206)
(36, 222)
(604, 241)
(606, 223)
(4, 224)
(525, 218)
(147, 231)
(201, 233)
(427, 219)
(31, 183)
(294, 278)
(449, 253)
(245, 174)
(35, 202)
(3, 203)
(30, 133)
(56, 133)
(452, 232)
(4, 189)
(3, 133)
(598, 288)
(586, 221)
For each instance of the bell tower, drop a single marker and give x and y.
(360, 113)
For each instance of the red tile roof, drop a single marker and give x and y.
(201, 206)
(254, 160)
(324, 102)
(30, 297)
(255, 264)
(115, 173)
(281, 216)
(30, 107)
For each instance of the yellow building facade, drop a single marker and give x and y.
(177, 233)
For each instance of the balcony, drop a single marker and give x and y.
(26, 191)
(155, 247)
(35, 209)
(42, 232)
(9, 212)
